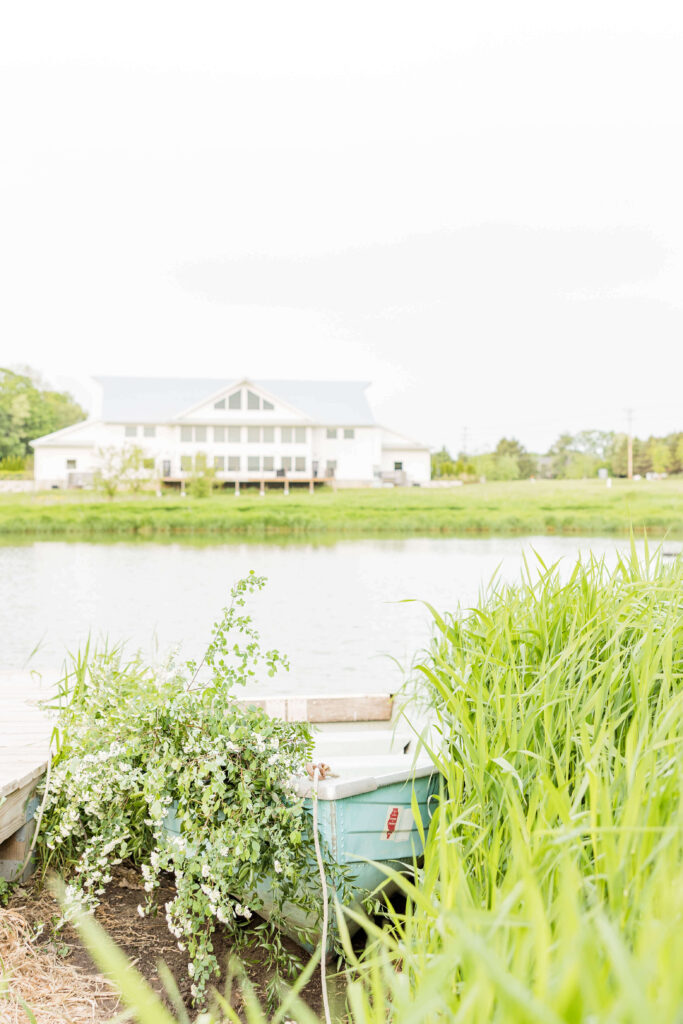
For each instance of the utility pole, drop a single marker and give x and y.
(629, 442)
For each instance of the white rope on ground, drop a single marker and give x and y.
(323, 884)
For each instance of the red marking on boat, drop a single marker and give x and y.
(392, 818)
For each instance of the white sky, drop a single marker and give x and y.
(478, 207)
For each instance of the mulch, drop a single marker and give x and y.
(146, 941)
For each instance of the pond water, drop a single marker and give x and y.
(331, 606)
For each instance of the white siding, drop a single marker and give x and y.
(416, 463)
(360, 455)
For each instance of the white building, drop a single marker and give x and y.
(248, 431)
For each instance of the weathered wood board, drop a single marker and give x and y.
(365, 707)
(24, 744)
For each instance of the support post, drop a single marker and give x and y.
(311, 485)
(237, 488)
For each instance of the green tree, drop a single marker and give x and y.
(678, 467)
(561, 452)
(119, 467)
(497, 467)
(594, 442)
(660, 455)
(202, 480)
(444, 465)
(512, 448)
(28, 409)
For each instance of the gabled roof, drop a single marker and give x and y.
(68, 436)
(392, 440)
(163, 399)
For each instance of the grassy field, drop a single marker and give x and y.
(553, 507)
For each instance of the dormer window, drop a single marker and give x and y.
(253, 401)
(268, 405)
(235, 400)
(219, 405)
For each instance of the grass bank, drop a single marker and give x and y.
(552, 507)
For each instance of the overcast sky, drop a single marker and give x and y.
(476, 206)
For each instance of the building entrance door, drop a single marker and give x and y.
(166, 467)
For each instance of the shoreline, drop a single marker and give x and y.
(551, 508)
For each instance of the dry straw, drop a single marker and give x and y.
(36, 984)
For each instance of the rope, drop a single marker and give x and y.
(323, 884)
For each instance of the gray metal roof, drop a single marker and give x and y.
(162, 399)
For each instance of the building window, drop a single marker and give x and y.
(220, 405)
(186, 463)
(253, 434)
(234, 463)
(234, 435)
(349, 433)
(235, 400)
(200, 433)
(70, 463)
(186, 433)
(286, 462)
(268, 435)
(149, 431)
(219, 434)
(268, 463)
(300, 435)
(268, 405)
(300, 463)
(131, 430)
(398, 466)
(331, 433)
(148, 464)
(286, 435)
(253, 463)
(219, 462)
(253, 401)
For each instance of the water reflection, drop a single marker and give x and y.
(330, 604)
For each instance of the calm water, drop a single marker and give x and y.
(331, 607)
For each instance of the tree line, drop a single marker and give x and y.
(570, 457)
(30, 409)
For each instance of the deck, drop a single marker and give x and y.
(24, 744)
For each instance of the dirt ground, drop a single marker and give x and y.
(146, 941)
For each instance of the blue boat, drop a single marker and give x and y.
(365, 813)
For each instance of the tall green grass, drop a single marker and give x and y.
(552, 886)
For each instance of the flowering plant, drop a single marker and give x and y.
(141, 747)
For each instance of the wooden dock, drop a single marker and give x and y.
(25, 732)
(24, 745)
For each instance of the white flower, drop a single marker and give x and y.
(140, 911)
(190, 969)
(278, 866)
(206, 870)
